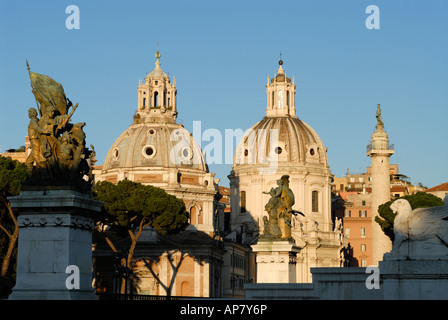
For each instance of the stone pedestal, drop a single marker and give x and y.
(414, 279)
(276, 261)
(55, 245)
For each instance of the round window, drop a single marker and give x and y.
(115, 154)
(278, 150)
(149, 151)
(186, 153)
(312, 151)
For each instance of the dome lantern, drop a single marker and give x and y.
(157, 97)
(280, 93)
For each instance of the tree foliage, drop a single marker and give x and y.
(418, 200)
(130, 207)
(127, 203)
(12, 174)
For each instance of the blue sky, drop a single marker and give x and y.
(221, 54)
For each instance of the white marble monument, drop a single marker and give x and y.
(417, 266)
(420, 234)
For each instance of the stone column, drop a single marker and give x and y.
(380, 152)
(55, 245)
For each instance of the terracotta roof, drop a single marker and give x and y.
(398, 188)
(344, 195)
(440, 187)
(224, 190)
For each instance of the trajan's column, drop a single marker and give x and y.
(380, 151)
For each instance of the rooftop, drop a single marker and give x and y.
(440, 187)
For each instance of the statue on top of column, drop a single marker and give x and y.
(280, 211)
(378, 116)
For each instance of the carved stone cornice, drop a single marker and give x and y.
(55, 220)
(290, 258)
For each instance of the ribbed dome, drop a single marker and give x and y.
(290, 139)
(157, 73)
(155, 145)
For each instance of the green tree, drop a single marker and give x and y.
(130, 207)
(418, 200)
(12, 174)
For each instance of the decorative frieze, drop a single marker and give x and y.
(52, 220)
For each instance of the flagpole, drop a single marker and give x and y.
(37, 103)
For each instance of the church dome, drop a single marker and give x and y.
(166, 145)
(281, 137)
(288, 140)
(155, 139)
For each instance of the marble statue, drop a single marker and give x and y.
(279, 209)
(420, 233)
(58, 153)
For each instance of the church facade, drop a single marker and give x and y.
(156, 150)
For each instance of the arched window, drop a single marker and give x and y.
(156, 99)
(144, 102)
(280, 99)
(273, 97)
(287, 98)
(243, 201)
(193, 217)
(315, 201)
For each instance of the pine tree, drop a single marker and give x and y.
(418, 200)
